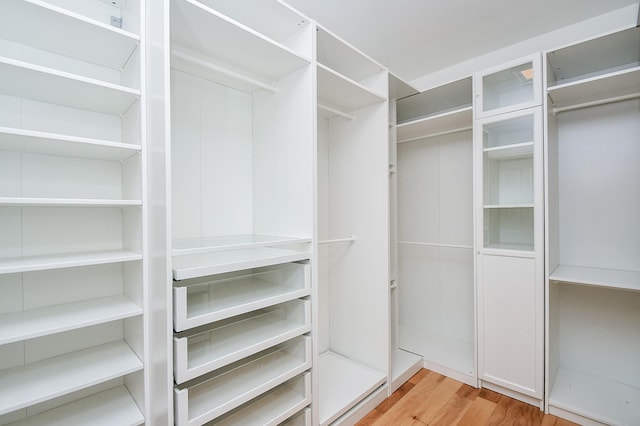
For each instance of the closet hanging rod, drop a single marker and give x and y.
(335, 111)
(433, 135)
(350, 239)
(415, 243)
(222, 70)
(596, 103)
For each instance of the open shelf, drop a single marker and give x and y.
(63, 145)
(48, 85)
(66, 202)
(194, 25)
(599, 277)
(50, 378)
(274, 407)
(203, 264)
(439, 350)
(336, 90)
(595, 398)
(510, 152)
(19, 326)
(403, 365)
(202, 302)
(424, 127)
(68, 260)
(239, 384)
(592, 89)
(303, 418)
(238, 337)
(232, 242)
(509, 206)
(342, 385)
(112, 407)
(67, 33)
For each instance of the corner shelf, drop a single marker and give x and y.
(49, 85)
(432, 125)
(274, 407)
(336, 90)
(202, 302)
(35, 142)
(599, 277)
(239, 337)
(66, 202)
(99, 43)
(225, 391)
(195, 24)
(202, 264)
(69, 260)
(343, 384)
(112, 407)
(30, 384)
(24, 325)
(595, 398)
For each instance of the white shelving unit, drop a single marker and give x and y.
(242, 208)
(435, 227)
(351, 292)
(72, 157)
(594, 275)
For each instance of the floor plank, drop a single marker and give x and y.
(431, 399)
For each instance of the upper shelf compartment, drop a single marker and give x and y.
(596, 70)
(337, 93)
(48, 27)
(339, 56)
(213, 46)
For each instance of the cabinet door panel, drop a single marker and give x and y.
(510, 323)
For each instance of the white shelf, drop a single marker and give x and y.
(445, 122)
(63, 145)
(112, 407)
(194, 25)
(510, 152)
(232, 242)
(203, 264)
(509, 206)
(446, 351)
(19, 326)
(522, 250)
(274, 407)
(303, 418)
(611, 85)
(67, 33)
(69, 260)
(403, 366)
(26, 80)
(50, 378)
(336, 90)
(216, 396)
(66, 202)
(600, 277)
(342, 385)
(207, 302)
(237, 338)
(595, 398)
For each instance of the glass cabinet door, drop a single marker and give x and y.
(509, 162)
(510, 88)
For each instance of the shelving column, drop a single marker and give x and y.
(509, 227)
(242, 211)
(72, 207)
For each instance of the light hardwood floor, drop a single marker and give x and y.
(429, 398)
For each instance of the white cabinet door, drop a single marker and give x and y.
(510, 325)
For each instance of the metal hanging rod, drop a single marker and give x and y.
(350, 239)
(335, 111)
(415, 243)
(432, 135)
(596, 103)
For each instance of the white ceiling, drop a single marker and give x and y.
(414, 38)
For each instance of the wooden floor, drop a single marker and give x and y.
(431, 399)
